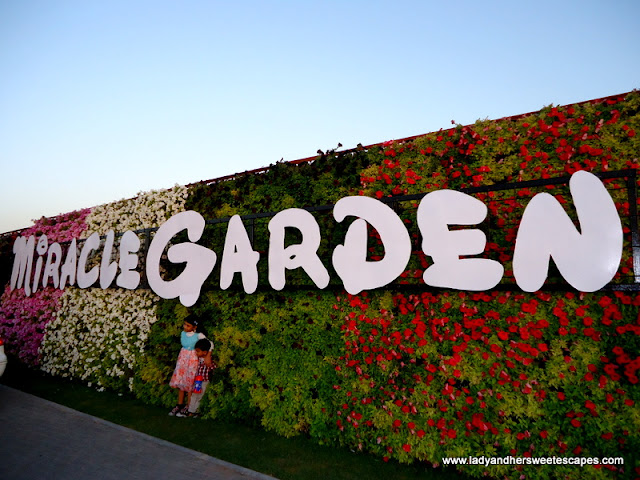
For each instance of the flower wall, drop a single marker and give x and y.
(407, 372)
(146, 210)
(99, 335)
(92, 335)
(23, 319)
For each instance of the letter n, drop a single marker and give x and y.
(587, 260)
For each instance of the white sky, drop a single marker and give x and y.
(102, 99)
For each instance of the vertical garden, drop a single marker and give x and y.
(406, 372)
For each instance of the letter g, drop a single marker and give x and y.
(199, 260)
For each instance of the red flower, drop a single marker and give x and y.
(406, 447)
(605, 302)
(561, 396)
(576, 423)
(530, 307)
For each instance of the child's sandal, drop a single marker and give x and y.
(175, 410)
(184, 412)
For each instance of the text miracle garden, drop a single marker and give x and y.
(545, 232)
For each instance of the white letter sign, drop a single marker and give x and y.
(587, 255)
(350, 259)
(439, 209)
(587, 260)
(129, 245)
(238, 256)
(22, 262)
(199, 260)
(294, 256)
(86, 279)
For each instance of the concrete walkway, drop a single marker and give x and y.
(41, 440)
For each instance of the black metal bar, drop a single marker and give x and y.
(394, 202)
(632, 194)
(144, 282)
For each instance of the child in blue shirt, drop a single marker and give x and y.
(187, 364)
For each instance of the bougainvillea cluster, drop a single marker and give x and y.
(409, 373)
(23, 319)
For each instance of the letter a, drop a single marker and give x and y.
(238, 256)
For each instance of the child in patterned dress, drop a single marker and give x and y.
(187, 364)
(206, 366)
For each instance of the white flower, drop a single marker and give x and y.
(101, 341)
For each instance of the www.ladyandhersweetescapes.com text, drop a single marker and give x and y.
(579, 461)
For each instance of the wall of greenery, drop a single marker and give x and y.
(406, 372)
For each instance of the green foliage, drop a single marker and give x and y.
(275, 355)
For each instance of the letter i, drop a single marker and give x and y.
(41, 248)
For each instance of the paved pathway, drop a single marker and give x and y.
(41, 440)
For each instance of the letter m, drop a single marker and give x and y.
(23, 250)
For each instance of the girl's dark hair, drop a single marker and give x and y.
(196, 322)
(193, 320)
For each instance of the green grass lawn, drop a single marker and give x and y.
(283, 458)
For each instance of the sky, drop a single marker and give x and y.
(101, 100)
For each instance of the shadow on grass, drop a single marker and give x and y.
(284, 458)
